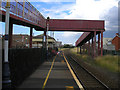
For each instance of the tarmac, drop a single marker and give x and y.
(52, 74)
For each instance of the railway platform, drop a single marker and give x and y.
(54, 73)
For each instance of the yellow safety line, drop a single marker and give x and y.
(69, 88)
(74, 76)
(48, 74)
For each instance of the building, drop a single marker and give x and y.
(58, 44)
(116, 41)
(38, 41)
(107, 44)
(20, 41)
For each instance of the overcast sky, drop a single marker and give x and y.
(76, 9)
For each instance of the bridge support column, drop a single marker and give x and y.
(45, 39)
(101, 43)
(80, 50)
(98, 44)
(94, 47)
(10, 34)
(83, 49)
(31, 31)
(89, 47)
(77, 50)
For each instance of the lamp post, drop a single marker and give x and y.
(47, 31)
(6, 82)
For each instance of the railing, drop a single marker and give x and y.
(25, 10)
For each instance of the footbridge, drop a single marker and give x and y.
(33, 68)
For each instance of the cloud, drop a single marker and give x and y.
(71, 34)
(91, 9)
(85, 9)
(47, 1)
(57, 11)
(111, 19)
(38, 5)
(68, 37)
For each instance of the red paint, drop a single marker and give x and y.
(80, 50)
(94, 47)
(24, 22)
(101, 43)
(116, 41)
(98, 44)
(89, 47)
(75, 25)
(82, 37)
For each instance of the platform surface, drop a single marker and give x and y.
(59, 76)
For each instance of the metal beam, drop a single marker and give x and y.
(89, 47)
(98, 44)
(94, 47)
(10, 34)
(101, 43)
(31, 31)
(76, 25)
(80, 50)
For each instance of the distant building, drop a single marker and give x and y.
(58, 44)
(116, 41)
(107, 44)
(37, 41)
(20, 41)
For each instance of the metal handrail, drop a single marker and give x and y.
(25, 10)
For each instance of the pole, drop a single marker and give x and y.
(94, 44)
(10, 34)
(80, 50)
(101, 43)
(47, 35)
(92, 47)
(31, 37)
(89, 47)
(98, 44)
(45, 39)
(6, 82)
(47, 31)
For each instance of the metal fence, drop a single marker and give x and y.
(25, 10)
(23, 62)
(111, 52)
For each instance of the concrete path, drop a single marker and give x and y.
(51, 74)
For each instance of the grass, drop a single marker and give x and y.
(109, 62)
(62, 49)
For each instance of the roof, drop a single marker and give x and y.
(41, 36)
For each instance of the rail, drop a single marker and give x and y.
(90, 74)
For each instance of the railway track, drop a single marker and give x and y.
(87, 79)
